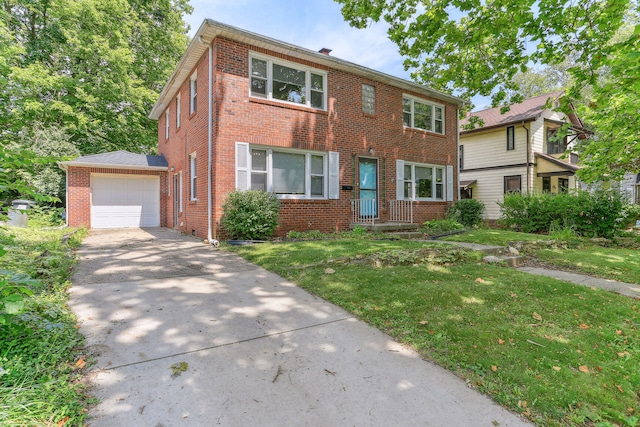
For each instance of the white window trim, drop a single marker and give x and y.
(331, 170)
(308, 70)
(178, 111)
(433, 105)
(193, 95)
(180, 190)
(193, 176)
(446, 178)
(167, 117)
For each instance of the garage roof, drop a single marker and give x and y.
(118, 159)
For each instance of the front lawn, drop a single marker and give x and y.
(557, 353)
(598, 258)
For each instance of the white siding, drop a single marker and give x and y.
(489, 188)
(488, 149)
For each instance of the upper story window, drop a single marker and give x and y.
(555, 144)
(368, 99)
(511, 138)
(166, 124)
(193, 93)
(288, 82)
(421, 114)
(178, 111)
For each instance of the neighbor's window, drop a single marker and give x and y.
(288, 82)
(563, 185)
(178, 111)
(512, 184)
(420, 114)
(368, 99)
(555, 145)
(546, 184)
(423, 182)
(511, 138)
(193, 93)
(461, 154)
(193, 176)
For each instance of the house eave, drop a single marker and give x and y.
(65, 166)
(211, 29)
(500, 125)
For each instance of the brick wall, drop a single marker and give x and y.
(343, 128)
(79, 193)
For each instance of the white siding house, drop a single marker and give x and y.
(516, 151)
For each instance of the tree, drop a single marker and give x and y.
(92, 67)
(478, 48)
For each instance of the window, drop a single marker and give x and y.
(512, 184)
(511, 138)
(555, 144)
(461, 154)
(422, 182)
(421, 114)
(563, 185)
(166, 124)
(288, 82)
(180, 191)
(574, 158)
(368, 99)
(287, 173)
(193, 176)
(178, 111)
(193, 93)
(546, 184)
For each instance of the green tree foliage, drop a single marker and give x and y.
(91, 67)
(482, 48)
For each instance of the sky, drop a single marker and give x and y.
(312, 24)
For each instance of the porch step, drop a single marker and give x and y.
(510, 260)
(386, 226)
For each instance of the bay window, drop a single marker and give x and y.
(288, 82)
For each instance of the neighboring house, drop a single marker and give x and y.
(337, 142)
(517, 151)
(117, 189)
(630, 188)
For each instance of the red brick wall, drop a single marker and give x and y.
(344, 128)
(79, 193)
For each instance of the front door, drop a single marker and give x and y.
(368, 187)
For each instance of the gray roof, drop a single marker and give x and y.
(121, 159)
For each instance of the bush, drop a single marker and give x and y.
(250, 214)
(467, 212)
(601, 213)
(45, 216)
(439, 226)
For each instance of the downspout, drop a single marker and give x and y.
(458, 150)
(210, 142)
(528, 159)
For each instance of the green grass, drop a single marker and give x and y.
(40, 349)
(524, 340)
(579, 255)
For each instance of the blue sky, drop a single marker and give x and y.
(312, 24)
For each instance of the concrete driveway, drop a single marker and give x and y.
(188, 335)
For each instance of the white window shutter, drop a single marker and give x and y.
(399, 179)
(449, 183)
(242, 166)
(334, 175)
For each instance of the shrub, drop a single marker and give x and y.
(44, 216)
(439, 226)
(601, 213)
(251, 214)
(467, 212)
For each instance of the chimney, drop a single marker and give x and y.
(325, 51)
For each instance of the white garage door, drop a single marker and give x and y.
(121, 201)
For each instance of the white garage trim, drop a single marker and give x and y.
(125, 201)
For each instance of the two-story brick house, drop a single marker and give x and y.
(336, 141)
(518, 151)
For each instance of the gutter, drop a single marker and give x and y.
(209, 143)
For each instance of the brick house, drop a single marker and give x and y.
(519, 151)
(338, 143)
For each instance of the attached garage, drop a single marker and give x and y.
(122, 201)
(116, 190)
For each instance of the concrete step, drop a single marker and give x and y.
(510, 260)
